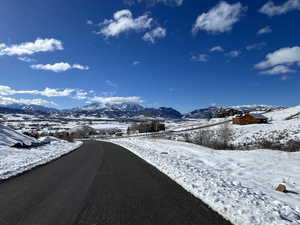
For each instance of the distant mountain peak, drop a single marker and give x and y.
(111, 106)
(126, 110)
(29, 107)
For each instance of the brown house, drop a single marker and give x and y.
(250, 119)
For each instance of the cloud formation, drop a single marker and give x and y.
(116, 100)
(88, 96)
(58, 67)
(256, 46)
(281, 60)
(81, 95)
(48, 92)
(220, 18)
(283, 56)
(200, 58)
(280, 69)
(37, 101)
(26, 59)
(265, 30)
(29, 48)
(123, 21)
(158, 32)
(111, 84)
(271, 9)
(216, 49)
(135, 63)
(234, 53)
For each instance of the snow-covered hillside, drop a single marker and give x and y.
(9, 137)
(277, 130)
(240, 185)
(14, 161)
(283, 114)
(282, 130)
(17, 160)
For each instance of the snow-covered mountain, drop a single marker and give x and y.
(204, 113)
(257, 108)
(29, 107)
(125, 110)
(133, 107)
(130, 110)
(212, 111)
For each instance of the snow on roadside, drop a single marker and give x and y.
(9, 137)
(238, 184)
(14, 161)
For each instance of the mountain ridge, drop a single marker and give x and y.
(131, 110)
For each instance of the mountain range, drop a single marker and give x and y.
(129, 110)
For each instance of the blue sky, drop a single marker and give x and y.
(184, 54)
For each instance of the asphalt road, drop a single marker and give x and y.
(103, 184)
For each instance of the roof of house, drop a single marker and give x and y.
(258, 116)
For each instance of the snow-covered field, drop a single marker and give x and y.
(28, 123)
(240, 185)
(185, 124)
(279, 130)
(283, 131)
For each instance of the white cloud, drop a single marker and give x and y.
(29, 48)
(234, 53)
(26, 59)
(8, 100)
(111, 84)
(285, 77)
(283, 56)
(89, 95)
(123, 21)
(58, 67)
(48, 92)
(116, 100)
(271, 9)
(280, 69)
(265, 30)
(81, 95)
(216, 49)
(256, 46)
(135, 63)
(200, 58)
(153, 2)
(80, 67)
(89, 22)
(158, 32)
(220, 18)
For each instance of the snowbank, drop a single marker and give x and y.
(238, 184)
(9, 137)
(14, 161)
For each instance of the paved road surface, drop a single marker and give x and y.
(103, 184)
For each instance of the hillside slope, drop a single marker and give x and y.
(9, 137)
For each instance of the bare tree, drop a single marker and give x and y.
(224, 134)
